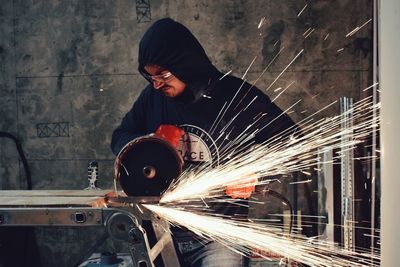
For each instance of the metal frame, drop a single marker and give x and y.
(347, 176)
(326, 195)
(122, 218)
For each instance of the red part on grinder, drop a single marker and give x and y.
(170, 133)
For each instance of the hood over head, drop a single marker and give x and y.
(172, 46)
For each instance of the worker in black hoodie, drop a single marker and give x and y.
(213, 109)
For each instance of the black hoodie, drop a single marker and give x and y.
(171, 45)
(236, 103)
(213, 111)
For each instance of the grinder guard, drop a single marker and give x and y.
(146, 166)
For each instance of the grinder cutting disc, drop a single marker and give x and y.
(146, 166)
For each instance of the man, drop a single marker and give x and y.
(214, 110)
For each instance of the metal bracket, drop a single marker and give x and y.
(123, 226)
(50, 217)
(165, 244)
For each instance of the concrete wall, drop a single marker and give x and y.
(68, 69)
(56, 56)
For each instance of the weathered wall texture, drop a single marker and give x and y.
(75, 63)
(68, 69)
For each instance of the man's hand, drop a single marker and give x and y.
(170, 133)
(241, 189)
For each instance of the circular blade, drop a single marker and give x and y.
(147, 166)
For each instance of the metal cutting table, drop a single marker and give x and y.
(121, 215)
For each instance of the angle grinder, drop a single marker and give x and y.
(147, 165)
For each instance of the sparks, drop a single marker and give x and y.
(251, 64)
(369, 87)
(356, 29)
(261, 23)
(137, 206)
(273, 100)
(301, 11)
(309, 29)
(247, 237)
(308, 34)
(277, 156)
(301, 182)
(290, 63)
(226, 74)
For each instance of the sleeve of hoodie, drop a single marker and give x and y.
(275, 121)
(132, 125)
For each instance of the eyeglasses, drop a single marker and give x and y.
(165, 77)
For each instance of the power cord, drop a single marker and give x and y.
(22, 156)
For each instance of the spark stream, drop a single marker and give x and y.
(245, 237)
(279, 155)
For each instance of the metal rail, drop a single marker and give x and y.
(347, 175)
(121, 216)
